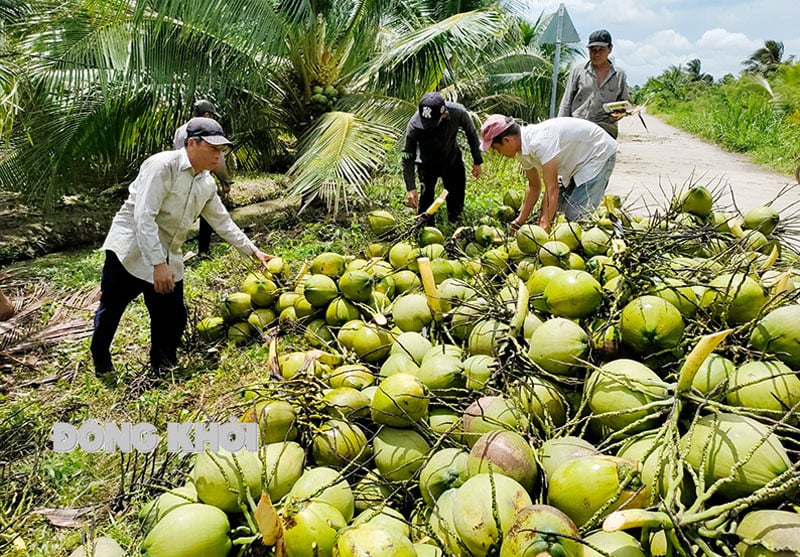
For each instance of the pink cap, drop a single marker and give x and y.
(492, 127)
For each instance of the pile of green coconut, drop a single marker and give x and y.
(625, 385)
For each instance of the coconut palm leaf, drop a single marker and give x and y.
(341, 151)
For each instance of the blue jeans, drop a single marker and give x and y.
(577, 201)
(118, 288)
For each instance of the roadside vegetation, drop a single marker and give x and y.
(756, 113)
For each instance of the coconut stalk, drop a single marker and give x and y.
(429, 285)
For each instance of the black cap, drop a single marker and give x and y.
(601, 37)
(431, 108)
(207, 129)
(202, 106)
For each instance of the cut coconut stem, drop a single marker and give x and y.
(697, 356)
(429, 284)
(773, 257)
(782, 284)
(438, 202)
(303, 270)
(518, 321)
(736, 227)
(636, 518)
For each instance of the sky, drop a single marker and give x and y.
(652, 35)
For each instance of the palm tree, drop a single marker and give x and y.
(695, 74)
(766, 59)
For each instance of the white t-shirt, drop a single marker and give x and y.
(580, 147)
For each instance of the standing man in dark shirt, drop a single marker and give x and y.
(431, 146)
(597, 82)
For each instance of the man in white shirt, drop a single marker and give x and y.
(143, 247)
(577, 150)
(203, 108)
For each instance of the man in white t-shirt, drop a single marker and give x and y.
(577, 150)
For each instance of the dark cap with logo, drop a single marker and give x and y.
(431, 108)
(201, 106)
(208, 130)
(600, 37)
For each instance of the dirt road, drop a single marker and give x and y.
(653, 162)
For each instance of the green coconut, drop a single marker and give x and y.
(236, 306)
(764, 219)
(381, 222)
(385, 517)
(507, 453)
(444, 421)
(560, 450)
(189, 530)
(430, 235)
(356, 286)
(318, 334)
(485, 336)
(570, 492)
(484, 509)
(543, 400)
(411, 344)
(340, 311)
(303, 308)
(375, 540)
(319, 289)
(713, 374)
(329, 264)
(595, 241)
(371, 491)
(678, 293)
(406, 280)
(530, 238)
(411, 312)
(478, 369)
(346, 403)
(399, 453)
(573, 294)
(558, 345)
(554, 253)
(338, 443)
(617, 544)
(398, 363)
(283, 466)
(441, 374)
(735, 296)
(261, 318)
(99, 547)
(400, 401)
(618, 391)
(311, 529)
(542, 530)
(400, 253)
(211, 328)
(444, 469)
(277, 419)
(778, 334)
(764, 387)
(697, 201)
(538, 282)
(718, 443)
(371, 343)
(568, 232)
(650, 324)
(492, 413)
(442, 527)
(769, 533)
(222, 479)
(262, 290)
(356, 376)
(324, 484)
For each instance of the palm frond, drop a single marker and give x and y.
(341, 150)
(426, 53)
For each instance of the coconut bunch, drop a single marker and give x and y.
(623, 384)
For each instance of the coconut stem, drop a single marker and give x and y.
(697, 356)
(636, 518)
(429, 284)
(523, 296)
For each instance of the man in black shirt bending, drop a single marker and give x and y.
(431, 146)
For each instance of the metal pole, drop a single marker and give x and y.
(557, 60)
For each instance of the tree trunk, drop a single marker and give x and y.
(6, 308)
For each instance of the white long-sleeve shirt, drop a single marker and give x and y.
(163, 202)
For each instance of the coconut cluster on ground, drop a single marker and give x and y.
(619, 386)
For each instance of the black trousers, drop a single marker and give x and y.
(204, 237)
(454, 180)
(118, 288)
